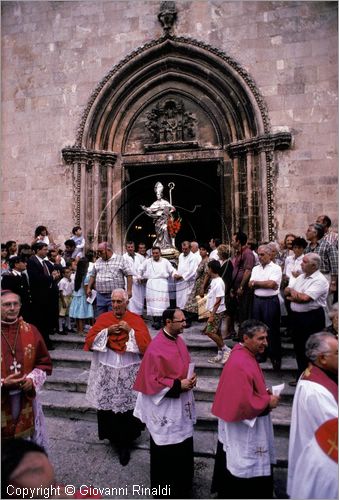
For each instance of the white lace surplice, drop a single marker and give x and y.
(112, 375)
(40, 435)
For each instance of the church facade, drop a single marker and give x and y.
(231, 105)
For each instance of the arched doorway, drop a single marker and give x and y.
(197, 197)
(175, 108)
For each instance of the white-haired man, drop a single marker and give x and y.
(108, 274)
(315, 400)
(117, 340)
(308, 303)
(265, 281)
(195, 250)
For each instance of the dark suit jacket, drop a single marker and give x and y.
(19, 285)
(40, 283)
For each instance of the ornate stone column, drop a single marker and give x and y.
(236, 193)
(264, 146)
(249, 178)
(88, 189)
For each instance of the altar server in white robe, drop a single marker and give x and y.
(315, 399)
(316, 470)
(245, 453)
(165, 404)
(136, 302)
(185, 276)
(156, 271)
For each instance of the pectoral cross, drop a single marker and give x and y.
(333, 445)
(188, 410)
(15, 366)
(260, 451)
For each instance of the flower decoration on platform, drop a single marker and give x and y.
(173, 225)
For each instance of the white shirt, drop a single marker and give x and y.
(292, 264)
(271, 272)
(187, 266)
(214, 255)
(216, 290)
(315, 286)
(197, 256)
(66, 286)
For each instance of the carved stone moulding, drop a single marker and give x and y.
(170, 146)
(75, 154)
(266, 142)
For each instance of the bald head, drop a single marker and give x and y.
(105, 250)
(194, 246)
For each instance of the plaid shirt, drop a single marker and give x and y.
(331, 237)
(328, 254)
(110, 274)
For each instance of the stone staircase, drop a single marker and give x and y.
(63, 395)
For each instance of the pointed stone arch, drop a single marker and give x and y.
(229, 123)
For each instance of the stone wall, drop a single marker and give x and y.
(55, 53)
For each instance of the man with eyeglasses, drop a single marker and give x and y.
(165, 404)
(315, 400)
(25, 362)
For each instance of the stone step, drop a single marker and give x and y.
(197, 343)
(68, 379)
(74, 405)
(76, 358)
(75, 380)
(205, 441)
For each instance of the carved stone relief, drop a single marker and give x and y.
(174, 122)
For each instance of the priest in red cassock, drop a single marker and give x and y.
(243, 404)
(118, 339)
(25, 363)
(165, 404)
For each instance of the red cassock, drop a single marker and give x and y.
(165, 361)
(118, 342)
(241, 392)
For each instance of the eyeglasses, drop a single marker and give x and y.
(10, 304)
(178, 320)
(328, 353)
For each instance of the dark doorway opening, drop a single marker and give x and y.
(196, 197)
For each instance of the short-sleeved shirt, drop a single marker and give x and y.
(328, 255)
(109, 274)
(315, 286)
(217, 289)
(244, 261)
(271, 272)
(66, 286)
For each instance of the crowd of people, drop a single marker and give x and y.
(240, 290)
